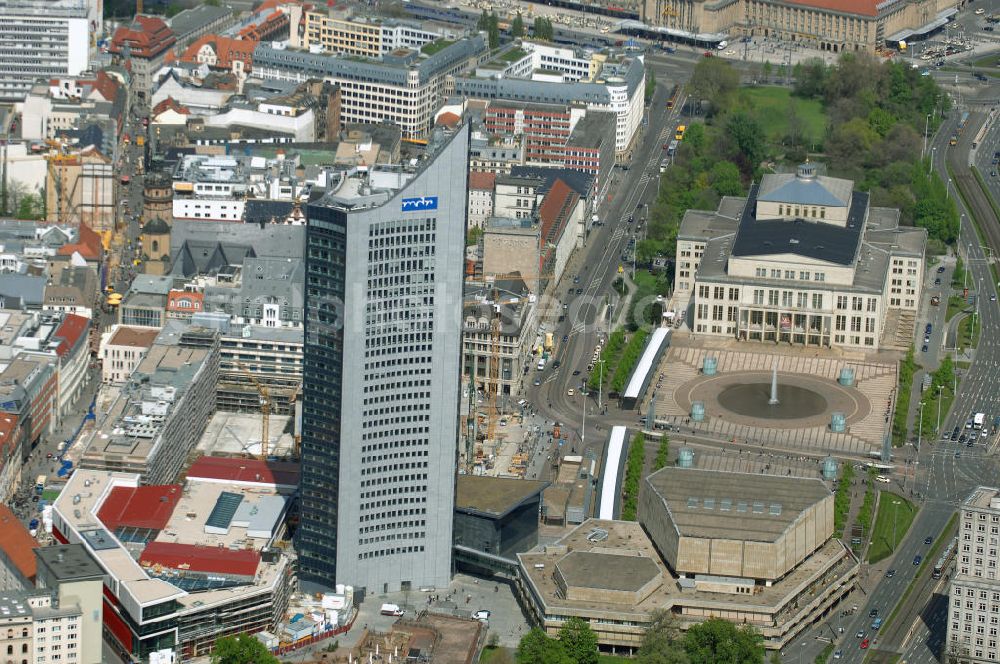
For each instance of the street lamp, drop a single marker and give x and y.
(930, 165)
(927, 123)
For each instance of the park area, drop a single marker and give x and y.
(778, 109)
(895, 514)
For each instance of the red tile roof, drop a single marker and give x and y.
(185, 301)
(140, 507)
(17, 543)
(70, 332)
(170, 103)
(482, 181)
(553, 212)
(245, 470)
(146, 37)
(226, 50)
(209, 559)
(447, 119)
(107, 86)
(862, 7)
(88, 245)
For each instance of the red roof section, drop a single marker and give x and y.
(140, 507)
(146, 37)
(447, 119)
(107, 86)
(244, 470)
(88, 245)
(170, 103)
(482, 181)
(70, 332)
(557, 202)
(185, 301)
(209, 559)
(863, 7)
(17, 543)
(226, 50)
(8, 434)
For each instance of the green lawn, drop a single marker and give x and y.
(969, 331)
(892, 519)
(771, 104)
(513, 55)
(50, 494)
(955, 304)
(430, 48)
(489, 653)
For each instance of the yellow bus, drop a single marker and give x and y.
(680, 132)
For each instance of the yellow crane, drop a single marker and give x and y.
(265, 408)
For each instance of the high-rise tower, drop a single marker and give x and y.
(385, 252)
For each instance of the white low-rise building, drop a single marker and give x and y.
(122, 349)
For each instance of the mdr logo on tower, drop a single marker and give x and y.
(420, 204)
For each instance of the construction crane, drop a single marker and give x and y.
(57, 163)
(265, 408)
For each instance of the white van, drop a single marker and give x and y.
(722, 45)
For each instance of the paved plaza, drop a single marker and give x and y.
(810, 375)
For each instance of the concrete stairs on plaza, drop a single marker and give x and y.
(899, 327)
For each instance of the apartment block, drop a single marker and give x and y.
(974, 591)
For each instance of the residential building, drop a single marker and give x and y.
(29, 394)
(380, 396)
(480, 198)
(122, 349)
(404, 87)
(142, 46)
(53, 108)
(974, 590)
(538, 233)
(47, 40)
(805, 260)
(73, 621)
(160, 413)
(861, 26)
(336, 31)
(754, 549)
(221, 53)
(176, 557)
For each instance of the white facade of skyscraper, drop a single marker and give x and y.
(974, 592)
(384, 272)
(42, 40)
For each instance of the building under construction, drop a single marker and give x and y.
(80, 188)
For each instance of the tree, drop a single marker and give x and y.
(493, 31)
(578, 641)
(537, 648)
(543, 28)
(725, 179)
(661, 642)
(713, 80)
(795, 134)
(517, 26)
(810, 78)
(717, 640)
(749, 138)
(30, 206)
(483, 24)
(241, 649)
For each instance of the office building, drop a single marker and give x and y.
(335, 31)
(805, 260)
(385, 252)
(404, 87)
(41, 40)
(122, 349)
(865, 25)
(974, 591)
(182, 564)
(158, 416)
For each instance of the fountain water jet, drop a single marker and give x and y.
(773, 401)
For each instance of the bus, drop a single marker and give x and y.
(40, 484)
(680, 132)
